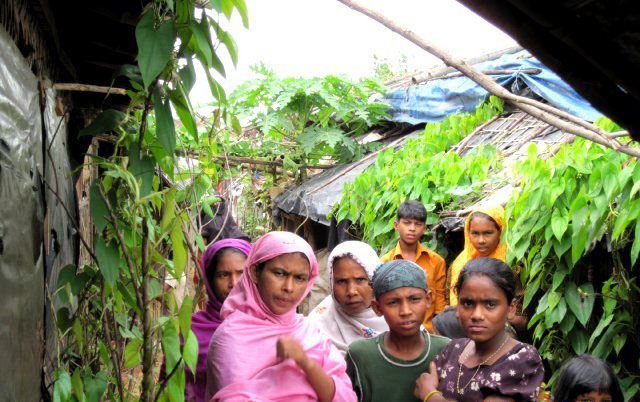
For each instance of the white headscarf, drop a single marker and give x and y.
(340, 327)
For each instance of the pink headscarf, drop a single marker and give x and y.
(204, 323)
(242, 364)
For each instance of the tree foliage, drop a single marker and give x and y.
(308, 119)
(110, 339)
(573, 231)
(581, 203)
(422, 169)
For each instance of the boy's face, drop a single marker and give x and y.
(409, 229)
(403, 309)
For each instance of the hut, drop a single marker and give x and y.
(59, 69)
(429, 97)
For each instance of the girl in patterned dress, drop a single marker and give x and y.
(489, 364)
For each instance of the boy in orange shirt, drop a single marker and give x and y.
(411, 224)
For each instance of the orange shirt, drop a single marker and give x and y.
(434, 266)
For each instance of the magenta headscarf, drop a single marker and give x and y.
(204, 323)
(242, 364)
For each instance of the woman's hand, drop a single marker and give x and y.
(288, 347)
(427, 382)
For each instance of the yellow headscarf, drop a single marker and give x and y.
(470, 252)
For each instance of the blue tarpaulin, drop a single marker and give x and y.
(436, 99)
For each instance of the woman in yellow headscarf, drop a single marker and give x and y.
(482, 231)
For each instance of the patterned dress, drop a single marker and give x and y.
(517, 374)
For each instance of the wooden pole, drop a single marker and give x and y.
(542, 111)
(89, 88)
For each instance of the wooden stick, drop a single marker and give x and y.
(89, 88)
(542, 111)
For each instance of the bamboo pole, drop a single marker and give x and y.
(541, 111)
(88, 88)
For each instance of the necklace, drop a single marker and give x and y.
(461, 390)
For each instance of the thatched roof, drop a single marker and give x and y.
(511, 134)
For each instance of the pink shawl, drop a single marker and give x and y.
(241, 360)
(204, 323)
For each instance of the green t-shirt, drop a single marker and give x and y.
(376, 375)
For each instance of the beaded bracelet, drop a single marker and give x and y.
(430, 394)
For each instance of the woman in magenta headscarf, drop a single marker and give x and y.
(264, 350)
(223, 262)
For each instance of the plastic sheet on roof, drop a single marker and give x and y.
(436, 99)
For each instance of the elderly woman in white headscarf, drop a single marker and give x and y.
(346, 315)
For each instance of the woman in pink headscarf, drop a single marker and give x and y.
(222, 264)
(264, 350)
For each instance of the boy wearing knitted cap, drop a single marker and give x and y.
(385, 368)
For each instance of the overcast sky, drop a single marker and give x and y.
(317, 37)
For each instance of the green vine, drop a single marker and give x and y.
(116, 319)
(581, 202)
(422, 169)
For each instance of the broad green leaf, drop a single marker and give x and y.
(595, 182)
(188, 74)
(558, 277)
(77, 387)
(62, 386)
(108, 260)
(170, 345)
(227, 7)
(578, 339)
(605, 344)
(155, 46)
(559, 222)
(106, 121)
(165, 128)
(202, 40)
(216, 89)
(169, 209)
(604, 323)
(242, 9)
(180, 102)
(99, 211)
(190, 351)
(619, 340)
(635, 248)
(94, 387)
(567, 323)
(179, 252)
(78, 335)
(185, 315)
(580, 305)
(143, 169)
(127, 296)
(133, 353)
(579, 244)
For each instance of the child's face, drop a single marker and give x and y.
(227, 273)
(595, 396)
(409, 229)
(403, 309)
(351, 286)
(282, 281)
(484, 235)
(483, 309)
